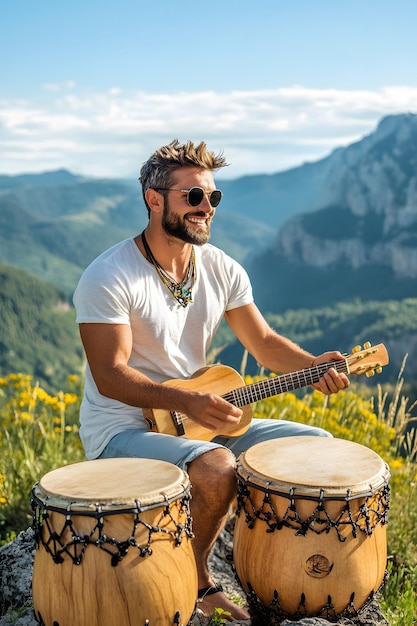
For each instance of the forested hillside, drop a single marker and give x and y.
(54, 225)
(38, 334)
(342, 327)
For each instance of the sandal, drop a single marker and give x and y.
(209, 591)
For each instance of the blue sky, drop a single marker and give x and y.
(95, 86)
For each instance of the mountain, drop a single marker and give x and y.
(275, 198)
(338, 232)
(339, 228)
(54, 224)
(35, 180)
(387, 155)
(360, 241)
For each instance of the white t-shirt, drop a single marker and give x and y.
(169, 341)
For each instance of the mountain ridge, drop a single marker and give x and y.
(356, 210)
(366, 227)
(341, 229)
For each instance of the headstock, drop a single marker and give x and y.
(368, 360)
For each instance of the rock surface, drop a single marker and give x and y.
(16, 562)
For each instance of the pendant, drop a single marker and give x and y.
(184, 296)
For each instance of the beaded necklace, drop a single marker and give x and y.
(181, 293)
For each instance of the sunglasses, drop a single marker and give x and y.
(195, 195)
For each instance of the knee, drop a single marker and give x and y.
(214, 471)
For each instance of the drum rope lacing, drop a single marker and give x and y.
(369, 514)
(75, 547)
(274, 614)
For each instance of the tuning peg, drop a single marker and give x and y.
(378, 369)
(369, 373)
(367, 345)
(356, 349)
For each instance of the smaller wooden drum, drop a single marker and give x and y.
(113, 545)
(310, 535)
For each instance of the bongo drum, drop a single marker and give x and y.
(310, 534)
(113, 545)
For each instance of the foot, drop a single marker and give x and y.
(213, 598)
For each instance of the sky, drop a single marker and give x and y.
(96, 86)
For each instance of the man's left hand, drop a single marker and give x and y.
(332, 381)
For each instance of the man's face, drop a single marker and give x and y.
(185, 222)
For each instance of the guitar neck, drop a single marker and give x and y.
(279, 384)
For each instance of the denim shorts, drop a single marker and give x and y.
(181, 451)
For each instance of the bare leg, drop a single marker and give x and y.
(213, 481)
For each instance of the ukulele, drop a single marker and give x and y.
(225, 381)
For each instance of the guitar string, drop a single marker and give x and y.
(246, 390)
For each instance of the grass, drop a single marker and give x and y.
(39, 432)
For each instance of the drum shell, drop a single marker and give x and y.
(308, 570)
(155, 587)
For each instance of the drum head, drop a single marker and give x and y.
(312, 465)
(112, 483)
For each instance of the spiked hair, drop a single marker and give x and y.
(157, 171)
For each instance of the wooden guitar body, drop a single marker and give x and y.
(220, 378)
(224, 381)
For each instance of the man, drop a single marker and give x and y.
(148, 309)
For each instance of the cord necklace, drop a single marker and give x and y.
(181, 293)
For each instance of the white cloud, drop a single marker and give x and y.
(111, 133)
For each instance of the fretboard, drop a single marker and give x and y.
(279, 384)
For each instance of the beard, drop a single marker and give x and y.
(176, 226)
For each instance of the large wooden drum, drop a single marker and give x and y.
(310, 535)
(113, 545)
